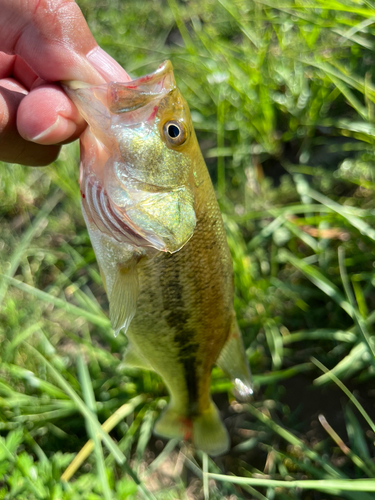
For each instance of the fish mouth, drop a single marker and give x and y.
(144, 224)
(130, 96)
(137, 98)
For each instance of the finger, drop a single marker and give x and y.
(6, 64)
(24, 74)
(13, 148)
(53, 43)
(47, 116)
(15, 66)
(13, 85)
(52, 37)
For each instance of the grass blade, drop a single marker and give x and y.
(108, 425)
(346, 391)
(112, 447)
(331, 486)
(39, 221)
(89, 397)
(319, 280)
(99, 320)
(290, 438)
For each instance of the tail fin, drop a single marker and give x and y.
(209, 433)
(205, 430)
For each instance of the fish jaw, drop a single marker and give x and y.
(162, 220)
(133, 186)
(133, 95)
(96, 205)
(130, 102)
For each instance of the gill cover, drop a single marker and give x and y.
(135, 184)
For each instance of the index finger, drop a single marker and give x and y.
(53, 38)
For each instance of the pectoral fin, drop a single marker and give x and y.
(102, 275)
(232, 360)
(123, 299)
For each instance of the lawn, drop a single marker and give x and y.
(282, 98)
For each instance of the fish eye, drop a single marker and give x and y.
(175, 132)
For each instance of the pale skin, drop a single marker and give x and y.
(43, 42)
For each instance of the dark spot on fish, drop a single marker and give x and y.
(177, 318)
(210, 245)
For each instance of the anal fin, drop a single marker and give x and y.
(123, 299)
(232, 360)
(171, 424)
(134, 359)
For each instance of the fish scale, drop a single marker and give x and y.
(159, 239)
(196, 297)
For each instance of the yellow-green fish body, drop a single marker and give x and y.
(158, 235)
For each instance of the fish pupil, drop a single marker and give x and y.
(173, 131)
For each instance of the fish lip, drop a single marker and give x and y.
(148, 87)
(130, 96)
(163, 70)
(72, 85)
(120, 98)
(163, 76)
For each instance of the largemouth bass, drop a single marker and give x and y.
(159, 239)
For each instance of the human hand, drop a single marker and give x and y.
(41, 42)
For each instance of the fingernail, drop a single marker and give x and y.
(39, 137)
(107, 66)
(11, 84)
(58, 132)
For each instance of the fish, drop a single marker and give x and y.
(160, 243)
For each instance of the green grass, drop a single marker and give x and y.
(282, 98)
